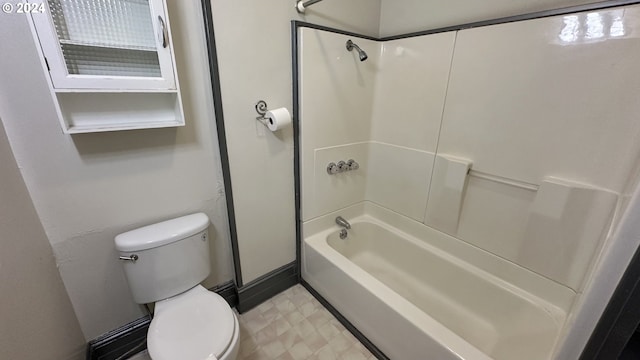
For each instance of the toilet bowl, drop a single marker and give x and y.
(197, 324)
(164, 263)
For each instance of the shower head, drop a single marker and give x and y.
(361, 54)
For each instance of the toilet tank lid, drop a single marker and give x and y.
(162, 233)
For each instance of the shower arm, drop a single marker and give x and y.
(361, 53)
(301, 5)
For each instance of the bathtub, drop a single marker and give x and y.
(417, 293)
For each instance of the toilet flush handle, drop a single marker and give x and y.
(133, 258)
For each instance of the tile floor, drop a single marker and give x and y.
(294, 325)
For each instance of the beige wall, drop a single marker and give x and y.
(87, 188)
(35, 312)
(253, 40)
(405, 16)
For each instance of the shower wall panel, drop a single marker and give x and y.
(559, 96)
(411, 86)
(331, 192)
(336, 92)
(552, 97)
(410, 90)
(398, 178)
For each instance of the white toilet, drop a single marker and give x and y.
(164, 263)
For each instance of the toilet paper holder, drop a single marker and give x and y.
(273, 119)
(261, 109)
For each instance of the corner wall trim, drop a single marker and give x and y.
(343, 320)
(297, 23)
(296, 144)
(266, 286)
(222, 138)
(128, 337)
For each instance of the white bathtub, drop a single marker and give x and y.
(416, 295)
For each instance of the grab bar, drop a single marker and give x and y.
(504, 180)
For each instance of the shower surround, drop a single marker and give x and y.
(495, 163)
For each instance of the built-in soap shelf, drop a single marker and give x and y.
(565, 218)
(342, 166)
(448, 185)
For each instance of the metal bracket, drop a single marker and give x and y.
(261, 109)
(301, 5)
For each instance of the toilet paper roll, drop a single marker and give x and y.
(278, 119)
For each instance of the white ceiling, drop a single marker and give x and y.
(405, 16)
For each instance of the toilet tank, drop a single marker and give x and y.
(167, 258)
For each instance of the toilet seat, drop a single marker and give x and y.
(195, 325)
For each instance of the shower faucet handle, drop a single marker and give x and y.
(352, 164)
(342, 166)
(332, 168)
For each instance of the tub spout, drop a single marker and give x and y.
(342, 222)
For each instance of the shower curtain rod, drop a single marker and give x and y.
(301, 6)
